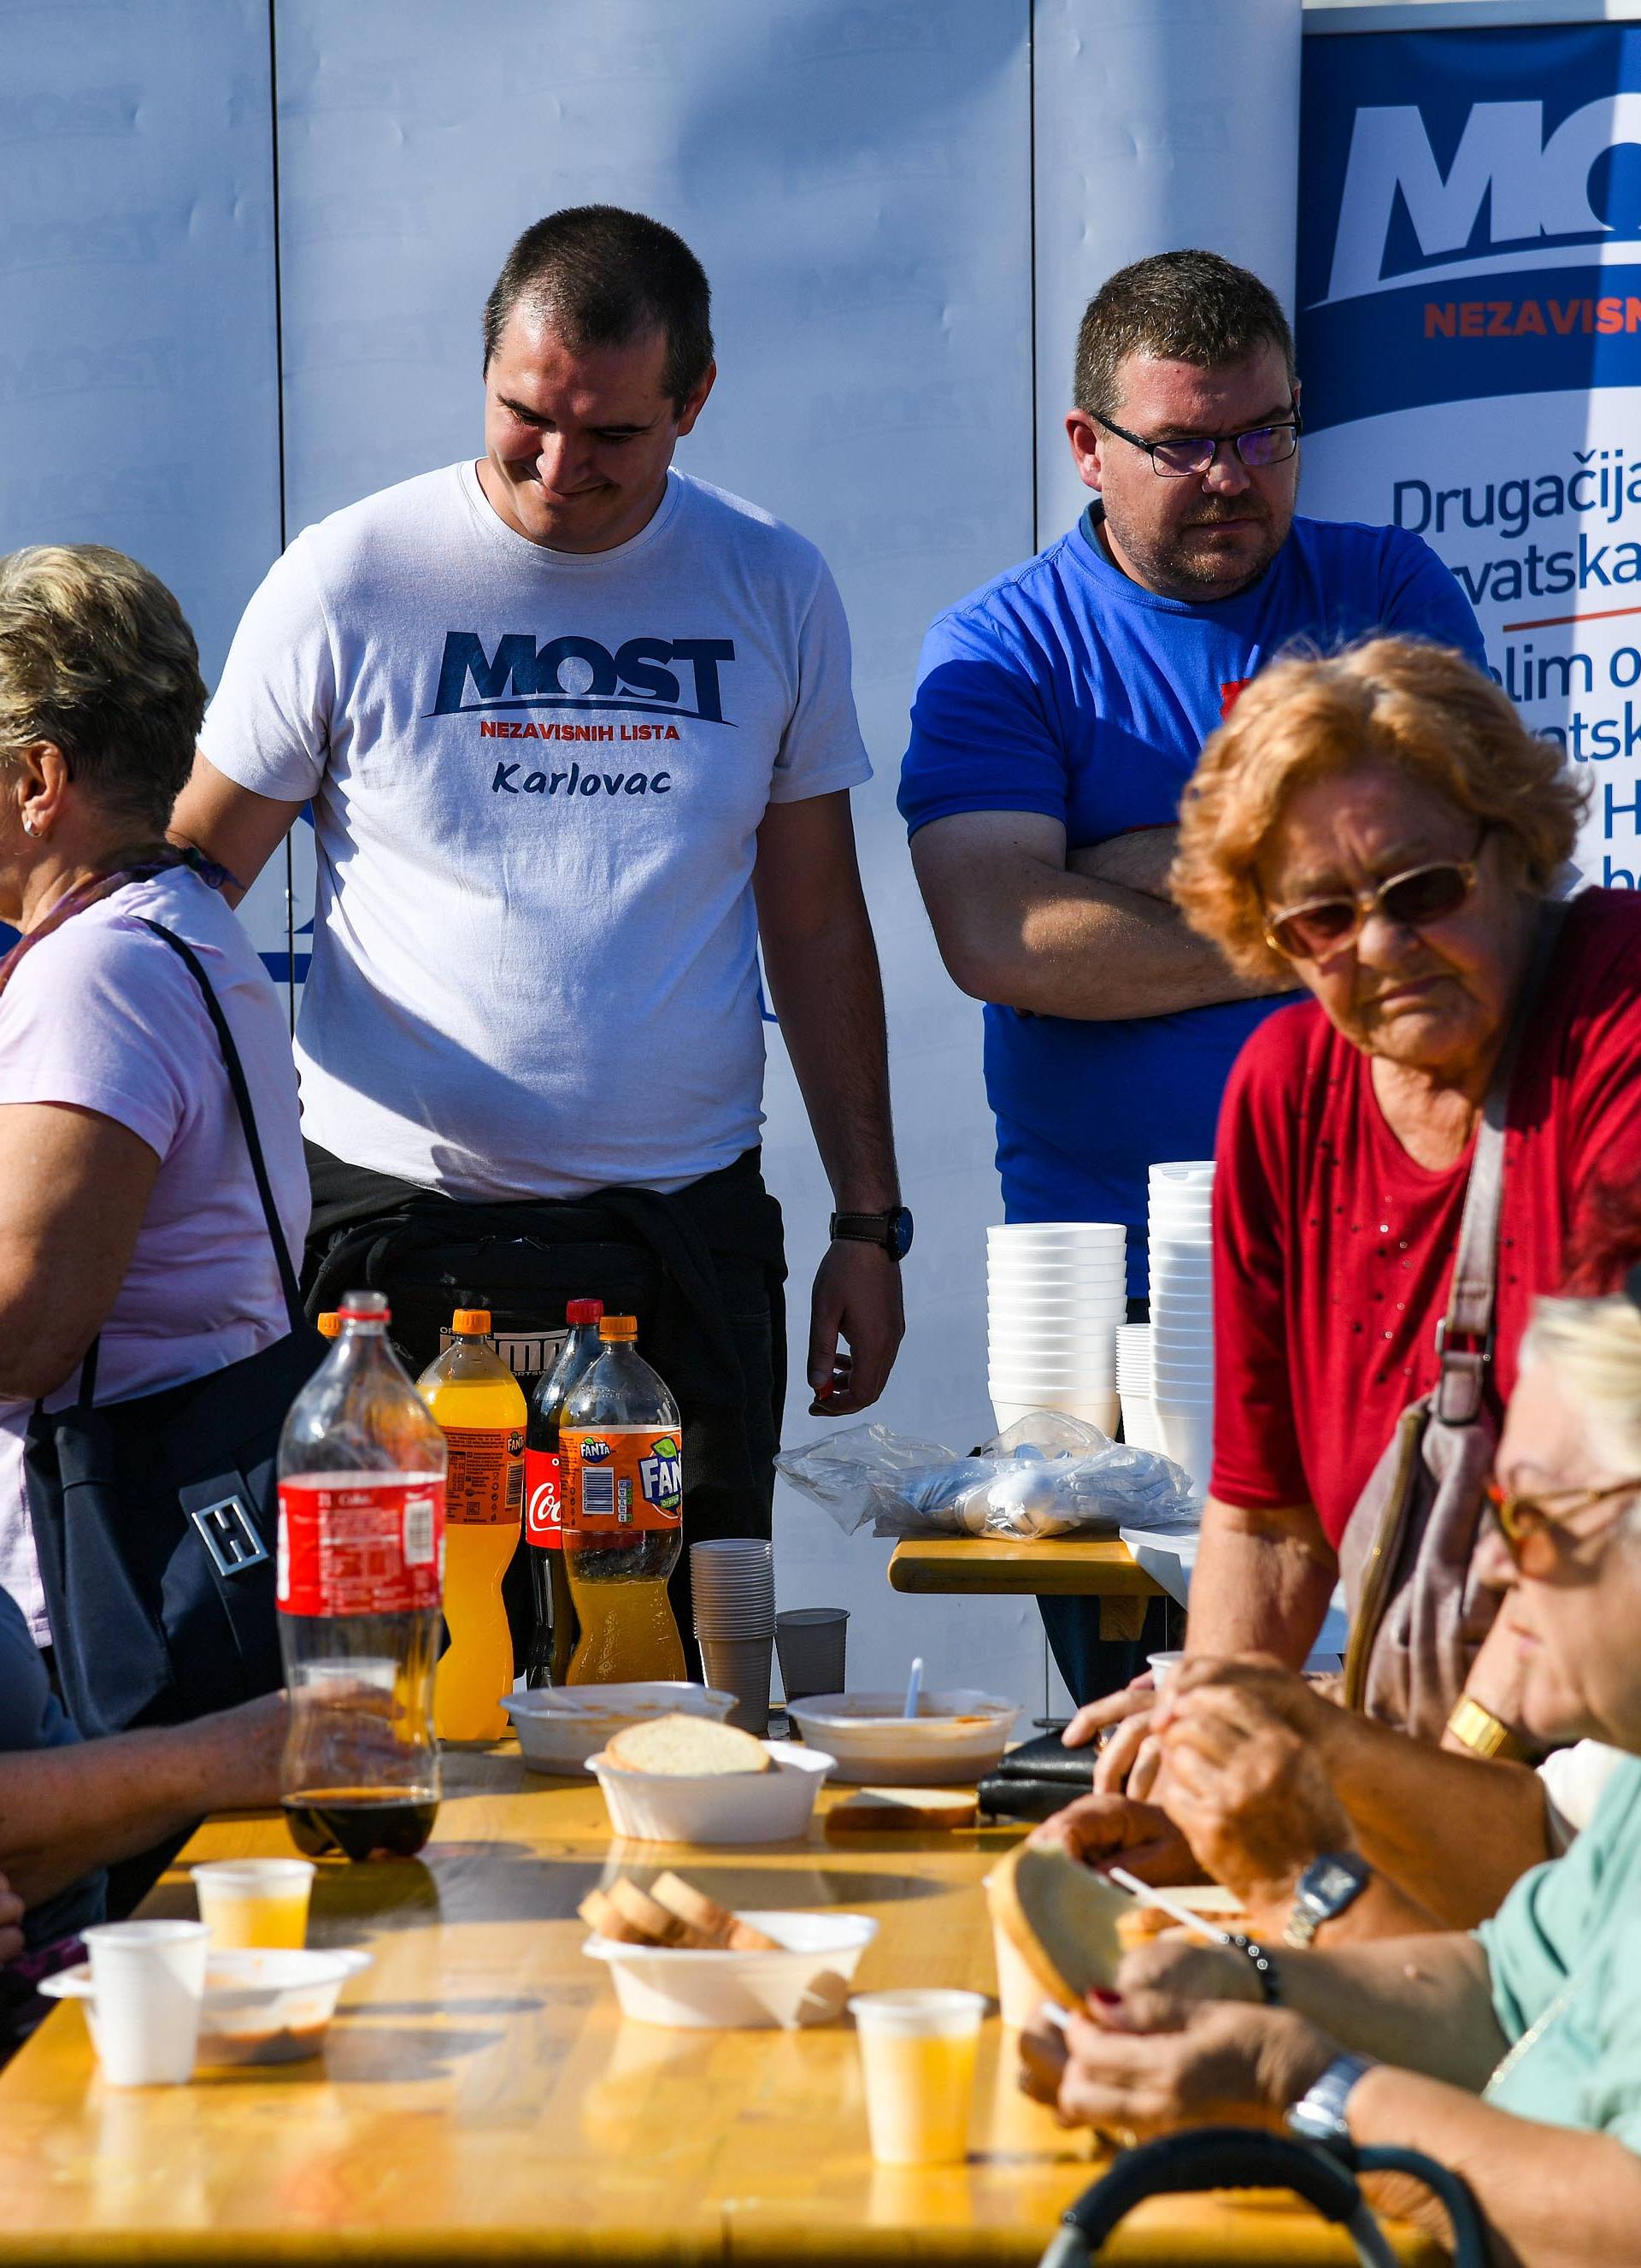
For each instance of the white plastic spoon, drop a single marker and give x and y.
(914, 1687)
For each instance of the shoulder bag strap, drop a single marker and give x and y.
(247, 1121)
(1464, 1336)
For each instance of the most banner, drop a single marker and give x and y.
(1470, 341)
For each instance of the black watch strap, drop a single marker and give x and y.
(891, 1232)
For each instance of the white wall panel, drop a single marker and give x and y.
(138, 370)
(857, 180)
(1159, 123)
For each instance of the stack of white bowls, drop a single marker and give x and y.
(732, 1583)
(1055, 1292)
(1139, 1418)
(1181, 1313)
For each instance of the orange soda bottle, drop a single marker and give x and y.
(480, 1410)
(621, 1443)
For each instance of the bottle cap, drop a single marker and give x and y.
(470, 1323)
(583, 1311)
(364, 1307)
(614, 1329)
(329, 1324)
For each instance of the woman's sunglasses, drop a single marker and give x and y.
(1533, 1533)
(1323, 926)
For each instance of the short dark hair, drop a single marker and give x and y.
(1178, 306)
(96, 657)
(600, 276)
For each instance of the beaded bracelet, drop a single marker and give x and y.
(1264, 1966)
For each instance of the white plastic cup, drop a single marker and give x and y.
(1019, 1995)
(148, 1980)
(917, 2055)
(259, 1902)
(1165, 1668)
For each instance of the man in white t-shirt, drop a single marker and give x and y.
(577, 733)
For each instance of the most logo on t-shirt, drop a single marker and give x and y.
(670, 677)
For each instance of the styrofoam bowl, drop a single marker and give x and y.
(561, 1726)
(805, 1982)
(261, 2004)
(1003, 1344)
(772, 1807)
(1006, 1233)
(1100, 1409)
(957, 1736)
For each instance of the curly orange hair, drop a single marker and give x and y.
(1426, 710)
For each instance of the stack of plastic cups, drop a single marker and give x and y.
(733, 1583)
(1055, 1292)
(1182, 1315)
(1139, 1418)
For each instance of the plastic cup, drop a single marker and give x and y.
(1018, 1993)
(148, 1979)
(740, 1666)
(1164, 1666)
(256, 1902)
(811, 1642)
(917, 2054)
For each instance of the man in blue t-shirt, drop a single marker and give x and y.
(1060, 710)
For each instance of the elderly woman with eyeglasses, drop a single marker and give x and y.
(1514, 2055)
(1382, 825)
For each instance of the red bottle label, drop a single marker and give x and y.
(544, 1499)
(360, 1548)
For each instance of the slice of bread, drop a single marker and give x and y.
(601, 1912)
(659, 1924)
(902, 1810)
(686, 1748)
(720, 1927)
(1062, 1919)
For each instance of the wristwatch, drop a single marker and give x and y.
(1319, 2116)
(1485, 1735)
(891, 1231)
(1327, 1886)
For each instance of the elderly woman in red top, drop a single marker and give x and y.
(1382, 825)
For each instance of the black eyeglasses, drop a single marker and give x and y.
(1195, 452)
(1416, 899)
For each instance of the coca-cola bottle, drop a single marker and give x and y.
(553, 1638)
(360, 1586)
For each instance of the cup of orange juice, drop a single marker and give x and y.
(254, 1901)
(918, 2052)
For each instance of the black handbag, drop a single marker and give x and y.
(154, 1518)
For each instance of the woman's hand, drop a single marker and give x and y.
(1247, 1791)
(1096, 1828)
(10, 1922)
(1149, 2063)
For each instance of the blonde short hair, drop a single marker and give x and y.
(96, 657)
(1594, 1347)
(1426, 710)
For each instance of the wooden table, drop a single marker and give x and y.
(1063, 1566)
(481, 2102)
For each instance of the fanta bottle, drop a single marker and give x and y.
(480, 1406)
(619, 1441)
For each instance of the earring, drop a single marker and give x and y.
(29, 828)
